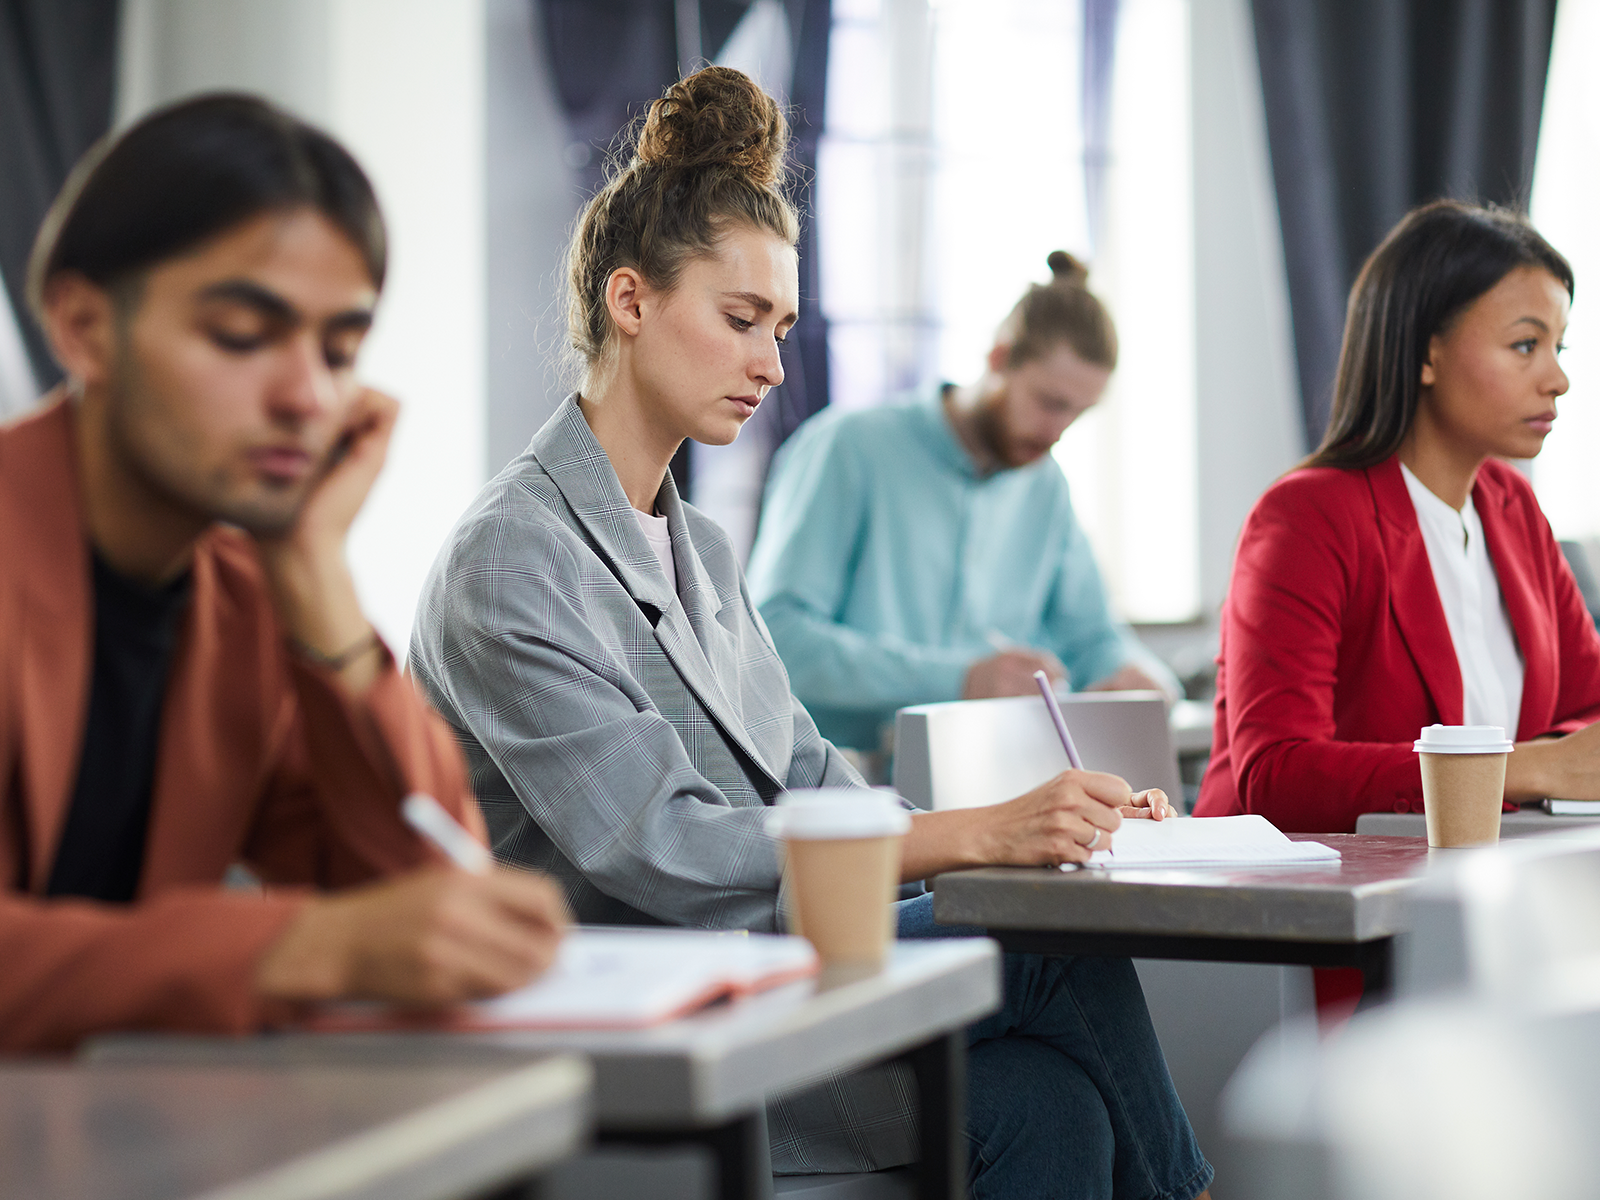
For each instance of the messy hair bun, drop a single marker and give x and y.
(716, 118)
(709, 154)
(1063, 311)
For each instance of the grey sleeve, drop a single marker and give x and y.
(575, 736)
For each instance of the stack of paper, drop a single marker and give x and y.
(1572, 808)
(618, 979)
(1247, 840)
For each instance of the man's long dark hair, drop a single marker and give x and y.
(1434, 263)
(189, 172)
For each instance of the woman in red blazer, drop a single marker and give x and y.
(1336, 650)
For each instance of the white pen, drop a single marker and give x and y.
(428, 817)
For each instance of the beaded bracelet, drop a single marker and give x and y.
(341, 660)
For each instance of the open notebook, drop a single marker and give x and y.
(614, 979)
(1247, 840)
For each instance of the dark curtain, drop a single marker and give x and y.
(1099, 66)
(610, 58)
(57, 77)
(805, 386)
(1373, 107)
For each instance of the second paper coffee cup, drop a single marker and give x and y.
(842, 856)
(1463, 782)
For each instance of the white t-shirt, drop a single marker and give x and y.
(655, 532)
(1474, 609)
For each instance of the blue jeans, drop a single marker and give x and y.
(1067, 1090)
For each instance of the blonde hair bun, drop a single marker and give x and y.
(717, 117)
(1067, 270)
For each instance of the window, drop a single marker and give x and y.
(1132, 460)
(874, 165)
(1566, 179)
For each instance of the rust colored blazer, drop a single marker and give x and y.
(1335, 652)
(263, 760)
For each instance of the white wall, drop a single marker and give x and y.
(1248, 398)
(18, 391)
(401, 83)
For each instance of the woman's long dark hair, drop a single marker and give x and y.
(1434, 263)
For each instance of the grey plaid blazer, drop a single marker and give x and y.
(628, 740)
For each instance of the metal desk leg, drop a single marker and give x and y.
(739, 1148)
(1377, 973)
(744, 1160)
(941, 1070)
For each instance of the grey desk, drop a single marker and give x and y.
(1343, 915)
(707, 1077)
(286, 1132)
(1523, 823)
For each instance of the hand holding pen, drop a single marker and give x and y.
(436, 935)
(1149, 804)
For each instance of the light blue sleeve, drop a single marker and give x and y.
(805, 557)
(1079, 625)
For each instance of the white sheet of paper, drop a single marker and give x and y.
(1245, 840)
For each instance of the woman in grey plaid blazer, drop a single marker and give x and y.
(627, 720)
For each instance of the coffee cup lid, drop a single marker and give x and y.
(826, 813)
(1462, 739)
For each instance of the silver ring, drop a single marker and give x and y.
(1092, 842)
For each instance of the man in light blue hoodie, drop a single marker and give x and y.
(927, 550)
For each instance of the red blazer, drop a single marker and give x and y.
(1335, 652)
(263, 760)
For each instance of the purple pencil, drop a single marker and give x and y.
(1049, 695)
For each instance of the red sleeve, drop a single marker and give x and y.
(1296, 585)
(183, 961)
(333, 816)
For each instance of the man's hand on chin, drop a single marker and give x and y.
(306, 569)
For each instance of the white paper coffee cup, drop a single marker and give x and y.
(842, 856)
(1463, 782)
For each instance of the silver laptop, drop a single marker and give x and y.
(975, 752)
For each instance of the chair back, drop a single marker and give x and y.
(1409, 1102)
(969, 753)
(1518, 923)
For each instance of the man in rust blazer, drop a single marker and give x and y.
(187, 682)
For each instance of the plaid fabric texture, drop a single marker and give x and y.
(628, 740)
